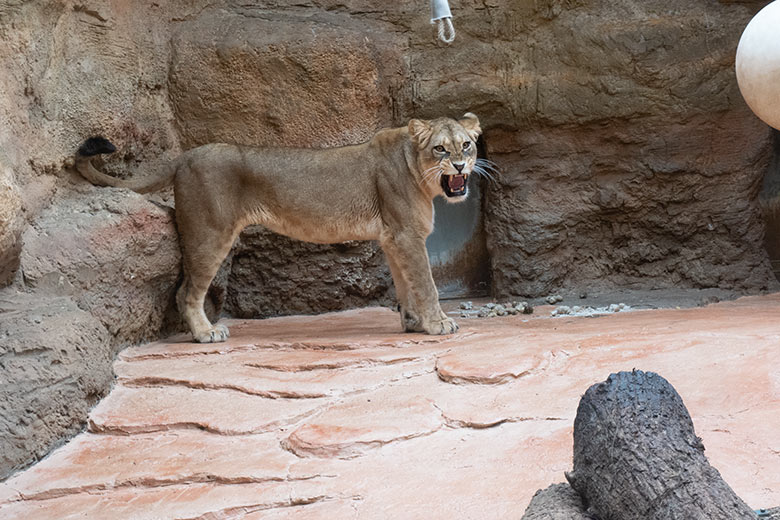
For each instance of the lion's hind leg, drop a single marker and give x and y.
(410, 321)
(201, 260)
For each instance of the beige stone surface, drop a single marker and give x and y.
(191, 501)
(156, 459)
(246, 373)
(338, 416)
(349, 428)
(147, 409)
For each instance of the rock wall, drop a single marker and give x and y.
(628, 155)
(56, 364)
(89, 270)
(629, 158)
(272, 275)
(634, 137)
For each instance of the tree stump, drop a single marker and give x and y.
(770, 514)
(557, 502)
(636, 456)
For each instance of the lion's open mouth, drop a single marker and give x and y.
(454, 185)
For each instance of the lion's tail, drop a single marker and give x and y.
(100, 145)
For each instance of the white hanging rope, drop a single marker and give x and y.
(441, 16)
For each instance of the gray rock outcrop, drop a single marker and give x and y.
(55, 361)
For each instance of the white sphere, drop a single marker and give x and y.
(758, 64)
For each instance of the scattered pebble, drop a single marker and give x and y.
(553, 299)
(561, 310)
(707, 300)
(492, 309)
(564, 310)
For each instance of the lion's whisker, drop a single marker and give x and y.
(484, 173)
(487, 161)
(488, 165)
(430, 173)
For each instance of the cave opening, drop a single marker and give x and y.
(457, 247)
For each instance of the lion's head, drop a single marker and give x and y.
(447, 152)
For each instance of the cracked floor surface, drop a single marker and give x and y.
(340, 416)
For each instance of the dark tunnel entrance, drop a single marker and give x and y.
(457, 247)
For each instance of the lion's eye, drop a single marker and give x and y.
(466, 145)
(439, 148)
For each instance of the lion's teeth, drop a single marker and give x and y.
(456, 182)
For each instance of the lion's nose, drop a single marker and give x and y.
(459, 166)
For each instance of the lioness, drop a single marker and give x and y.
(379, 190)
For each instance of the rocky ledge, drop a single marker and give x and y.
(341, 416)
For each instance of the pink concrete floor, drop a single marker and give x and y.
(341, 416)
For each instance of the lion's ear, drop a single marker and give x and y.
(471, 123)
(420, 131)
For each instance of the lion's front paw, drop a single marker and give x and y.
(215, 334)
(439, 327)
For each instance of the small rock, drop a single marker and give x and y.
(490, 305)
(467, 305)
(707, 300)
(553, 299)
(583, 295)
(561, 311)
(492, 314)
(483, 312)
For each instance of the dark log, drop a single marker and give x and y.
(557, 502)
(636, 456)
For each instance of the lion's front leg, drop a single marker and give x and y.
(417, 294)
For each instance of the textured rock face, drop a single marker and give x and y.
(55, 363)
(274, 275)
(633, 142)
(73, 70)
(293, 78)
(114, 253)
(628, 155)
(11, 224)
(670, 217)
